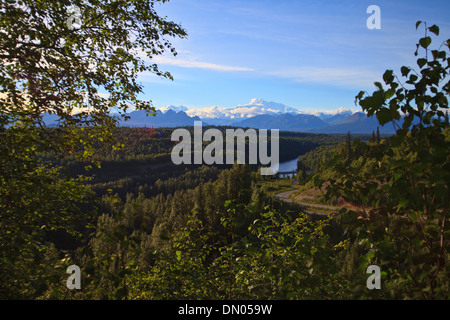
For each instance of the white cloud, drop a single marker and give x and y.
(334, 76)
(186, 63)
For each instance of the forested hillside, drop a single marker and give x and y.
(143, 162)
(110, 202)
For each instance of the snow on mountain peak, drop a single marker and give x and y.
(174, 108)
(256, 107)
(269, 106)
(257, 101)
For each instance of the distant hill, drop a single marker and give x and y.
(50, 120)
(285, 122)
(168, 119)
(358, 122)
(334, 118)
(355, 123)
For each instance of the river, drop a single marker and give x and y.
(290, 165)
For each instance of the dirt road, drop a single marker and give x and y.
(285, 196)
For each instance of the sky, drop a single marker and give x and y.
(310, 55)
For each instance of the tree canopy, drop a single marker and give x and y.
(78, 73)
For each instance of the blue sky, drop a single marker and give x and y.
(310, 55)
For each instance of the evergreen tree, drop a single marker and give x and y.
(372, 138)
(348, 146)
(378, 135)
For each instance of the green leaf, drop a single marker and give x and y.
(178, 254)
(384, 116)
(405, 71)
(435, 54)
(412, 216)
(389, 93)
(378, 85)
(398, 175)
(388, 76)
(421, 62)
(402, 204)
(418, 24)
(359, 96)
(425, 42)
(412, 79)
(435, 29)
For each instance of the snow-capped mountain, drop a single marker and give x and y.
(264, 107)
(258, 114)
(335, 116)
(254, 108)
(174, 108)
(261, 114)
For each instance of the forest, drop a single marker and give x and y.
(143, 163)
(142, 228)
(109, 201)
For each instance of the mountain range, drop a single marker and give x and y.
(258, 114)
(169, 118)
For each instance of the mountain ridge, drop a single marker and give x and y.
(261, 114)
(258, 114)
